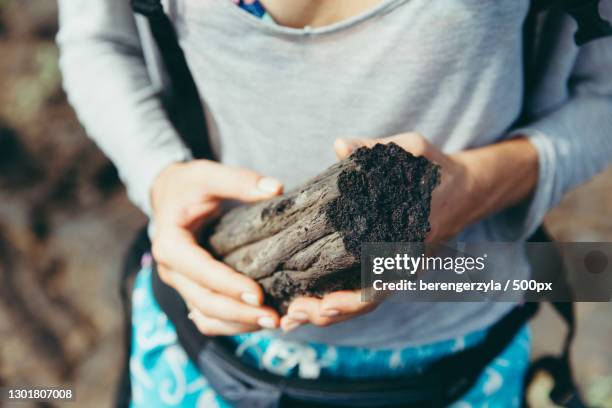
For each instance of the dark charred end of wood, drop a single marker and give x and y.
(385, 198)
(282, 288)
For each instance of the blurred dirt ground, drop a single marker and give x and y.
(65, 223)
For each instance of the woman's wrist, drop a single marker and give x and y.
(498, 176)
(161, 182)
(161, 179)
(452, 203)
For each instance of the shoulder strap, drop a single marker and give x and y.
(131, 265)
(565, 392)
(186, 110)
(591, 25)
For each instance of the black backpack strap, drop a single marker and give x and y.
(131, 265)
(185, 108)
(591, 25)
(565, 393)
(186, 112)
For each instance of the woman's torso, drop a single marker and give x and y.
(277, 98)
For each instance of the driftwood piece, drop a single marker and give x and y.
(307, 242)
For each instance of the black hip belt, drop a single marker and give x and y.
(440, 384)
(243, 386)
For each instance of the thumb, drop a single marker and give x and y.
(344, 147)
(237, 183)
(412, 142)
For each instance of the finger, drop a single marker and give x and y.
(235, 182)
(178, 251)
(295, 317)
(288, 324)
(345, 302)
(344, 147)
(220, 307)
(413, 142)
(307, 309)
(214, 327)
(333, 308)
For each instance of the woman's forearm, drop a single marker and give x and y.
(500, 175)
(107, 81)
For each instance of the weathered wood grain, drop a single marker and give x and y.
(296, 244)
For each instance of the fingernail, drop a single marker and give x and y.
(269, 185)
(292, 325)
(250, 299)
(298, 316)
(330, 313)
(266, 322)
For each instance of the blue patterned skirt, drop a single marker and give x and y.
(163, 376)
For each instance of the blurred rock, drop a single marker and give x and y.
(585, 215)
(18, 169)
(106, 179)
(32, 18)
(65, 223)
(2, 24)
(35, 86)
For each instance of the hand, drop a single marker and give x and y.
(184, 196)
(475, 184)
(339, 306)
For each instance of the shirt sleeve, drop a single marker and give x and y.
(573, 141)
(108, 84)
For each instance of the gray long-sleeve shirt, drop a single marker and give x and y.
(277, 97)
